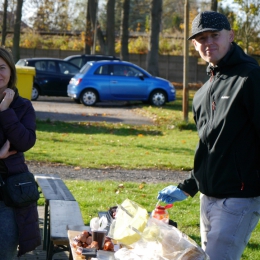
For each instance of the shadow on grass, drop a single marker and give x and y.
(253, 246)
(196, 239)
(96, 128)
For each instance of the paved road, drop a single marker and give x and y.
(66, 110)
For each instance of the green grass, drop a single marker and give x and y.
(169, 144)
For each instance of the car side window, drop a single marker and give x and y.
(66, 68)
(132, 72)
(51, 66)
(119, 70)
(102, 70)
(40, 65)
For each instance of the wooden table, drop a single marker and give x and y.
(73, 231)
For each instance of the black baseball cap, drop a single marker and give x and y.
(209, 21)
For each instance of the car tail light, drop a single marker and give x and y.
(78, 81)
(75, 81)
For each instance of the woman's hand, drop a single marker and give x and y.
(7, 100)
(4, 151)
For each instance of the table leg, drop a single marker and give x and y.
(70, 254)
(45, 225)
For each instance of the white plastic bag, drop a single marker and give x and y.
(160, 241)
(175, 244)
(130, 221)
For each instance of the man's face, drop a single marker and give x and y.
(213, 46)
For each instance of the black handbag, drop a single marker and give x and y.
(19, 190)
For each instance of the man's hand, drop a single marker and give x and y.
(4, 151)
(171, 194)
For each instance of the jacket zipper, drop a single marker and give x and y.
(209, 108)
(23, 183)
(213, 109)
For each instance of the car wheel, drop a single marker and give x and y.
(35, 93)
(158, 98)
(76, 100)
(89, 97)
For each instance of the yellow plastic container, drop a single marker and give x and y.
(25, 76)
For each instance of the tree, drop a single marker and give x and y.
(88, 36)
(17, 30)
(78, 12)
(124, 34)
(4, 22)
(93, 5)
(152, 57)
(44, 17)
(110, 35)
(214, 5)
(247, 23)
(50, 15)
(61, 19)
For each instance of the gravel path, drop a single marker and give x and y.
(68, 172)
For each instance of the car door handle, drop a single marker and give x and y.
(113, 81)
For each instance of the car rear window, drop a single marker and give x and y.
(85, 68)
(66, 68)
(21, 63)
(78, 61)
(102, 70)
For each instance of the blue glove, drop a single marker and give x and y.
(171, 194)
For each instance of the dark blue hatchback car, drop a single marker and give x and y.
(118, 80)
(52, 75)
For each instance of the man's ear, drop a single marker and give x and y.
(195, 45)
(231, 36)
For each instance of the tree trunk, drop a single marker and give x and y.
(124, 53)
(17, 29)
(88, 36)
(111, 27)
(152, 57)
(93, 16)
(4, 23)
(214, 5)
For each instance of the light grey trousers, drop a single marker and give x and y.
(226, 225)
(8, 233)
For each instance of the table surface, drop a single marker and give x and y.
(73, 231)
(53, 187)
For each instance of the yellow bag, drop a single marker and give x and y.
(129, 223)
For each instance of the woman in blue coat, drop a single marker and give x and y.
(19, 227)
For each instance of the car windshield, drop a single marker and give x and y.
(85, 68)
(21, 63)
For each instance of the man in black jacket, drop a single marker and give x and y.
(227, 160)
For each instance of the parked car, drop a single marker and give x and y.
(52, 75)
(81, 60)
(118, 80)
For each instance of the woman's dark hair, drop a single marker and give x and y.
(7, 56)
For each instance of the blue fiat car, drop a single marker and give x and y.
(113, 80)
